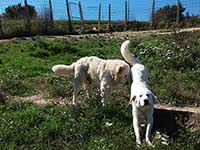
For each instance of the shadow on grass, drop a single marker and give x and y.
(171, 122)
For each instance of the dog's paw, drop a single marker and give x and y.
(150, 144)
(73, 103)
(138, 143)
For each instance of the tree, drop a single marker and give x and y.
(168, 14)
(20, 12)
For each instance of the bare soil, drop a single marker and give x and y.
(41, 100)
(122, 35)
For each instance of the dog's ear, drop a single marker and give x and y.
(155, 99)
(118, 72)
(119, 69)
(132, 99)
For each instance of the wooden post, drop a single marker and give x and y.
(152, 15)
(27, 18)
(99, 17)
(51, 12)
(69, 17)
(81, 14)
(178, 13)
(109, 29)
(126, 15)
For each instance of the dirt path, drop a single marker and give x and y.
(122, 35)
(41, 100)
(129, 33)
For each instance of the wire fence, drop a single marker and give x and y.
(33, 17)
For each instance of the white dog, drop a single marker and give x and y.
(142, 99)
(87, 70)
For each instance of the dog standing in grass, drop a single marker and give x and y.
(142, 99)
(89, 70)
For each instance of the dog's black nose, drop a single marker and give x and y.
(146, 102)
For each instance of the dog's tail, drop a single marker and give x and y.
(127, 55)
(63, 70)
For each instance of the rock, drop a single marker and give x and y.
(94, 29)
(3, 97)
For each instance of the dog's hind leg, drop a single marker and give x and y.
(87, 89)
(87, 85)
(77, 86)
(105, 91)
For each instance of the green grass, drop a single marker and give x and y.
(173, 63)
(25, 67)
(29, 126)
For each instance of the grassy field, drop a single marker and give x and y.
(27, 126)
(173, 62)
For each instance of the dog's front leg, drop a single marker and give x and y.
(136, 129)
(149, 128)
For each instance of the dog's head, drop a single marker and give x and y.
(123, 74)
(143, 98)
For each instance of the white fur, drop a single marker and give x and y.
(142, 99)
(88, 70)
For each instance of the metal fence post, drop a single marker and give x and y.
(1, 27)
(178, 13)
(152, 15)
(81, 14)
(69, 17)
(51, 11)
(126, 15)
(99, 17)
(109, 28)
(27, 19)
(50, 19)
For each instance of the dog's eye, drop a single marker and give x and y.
(140, 96)
(147, 95)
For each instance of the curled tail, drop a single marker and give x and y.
(63, 70)
(127, 55)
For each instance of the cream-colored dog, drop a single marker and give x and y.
(88, 70)
(142, 99)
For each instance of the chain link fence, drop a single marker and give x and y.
(59, 17)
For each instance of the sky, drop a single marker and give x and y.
(138, 9)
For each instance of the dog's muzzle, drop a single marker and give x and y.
(146, 102)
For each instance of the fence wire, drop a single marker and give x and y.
(139, 13)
